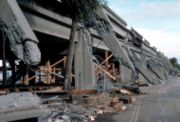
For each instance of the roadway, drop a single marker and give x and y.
(160, 104)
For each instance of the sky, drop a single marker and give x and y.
(157, 20)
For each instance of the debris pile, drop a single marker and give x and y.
(18, 101)
(64, 112)
(84, 108)
(141, 83)
(20, 106)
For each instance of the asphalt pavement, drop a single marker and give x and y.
(160, 104)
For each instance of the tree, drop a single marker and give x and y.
(79, 10)
(174, 61)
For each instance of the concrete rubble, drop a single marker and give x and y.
(110, 64)
(87, 108)
(14, 101)
(54, 109)
(19, 106)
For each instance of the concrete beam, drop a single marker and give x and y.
(113, 43)
(45, 12)
(47, 26)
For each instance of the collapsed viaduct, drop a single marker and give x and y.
(123, 56)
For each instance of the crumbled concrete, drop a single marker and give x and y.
(17, 101)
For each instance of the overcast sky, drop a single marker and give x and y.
(157, 20)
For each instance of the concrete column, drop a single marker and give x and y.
(84, 71)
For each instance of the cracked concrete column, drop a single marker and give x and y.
(83, 64)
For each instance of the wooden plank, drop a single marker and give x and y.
(106, 72)
(107, 61)
(33, 77)
(65, 61)
(48, 71)
(26, 76)
(113, 69)
(84, 91)
(58, 62)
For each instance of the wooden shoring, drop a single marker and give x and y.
(106, 72)
(26, 76)
(58, 62)
(31, 78)
(113, 69)
(107, 61)
(49, 69)
(65, 61)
